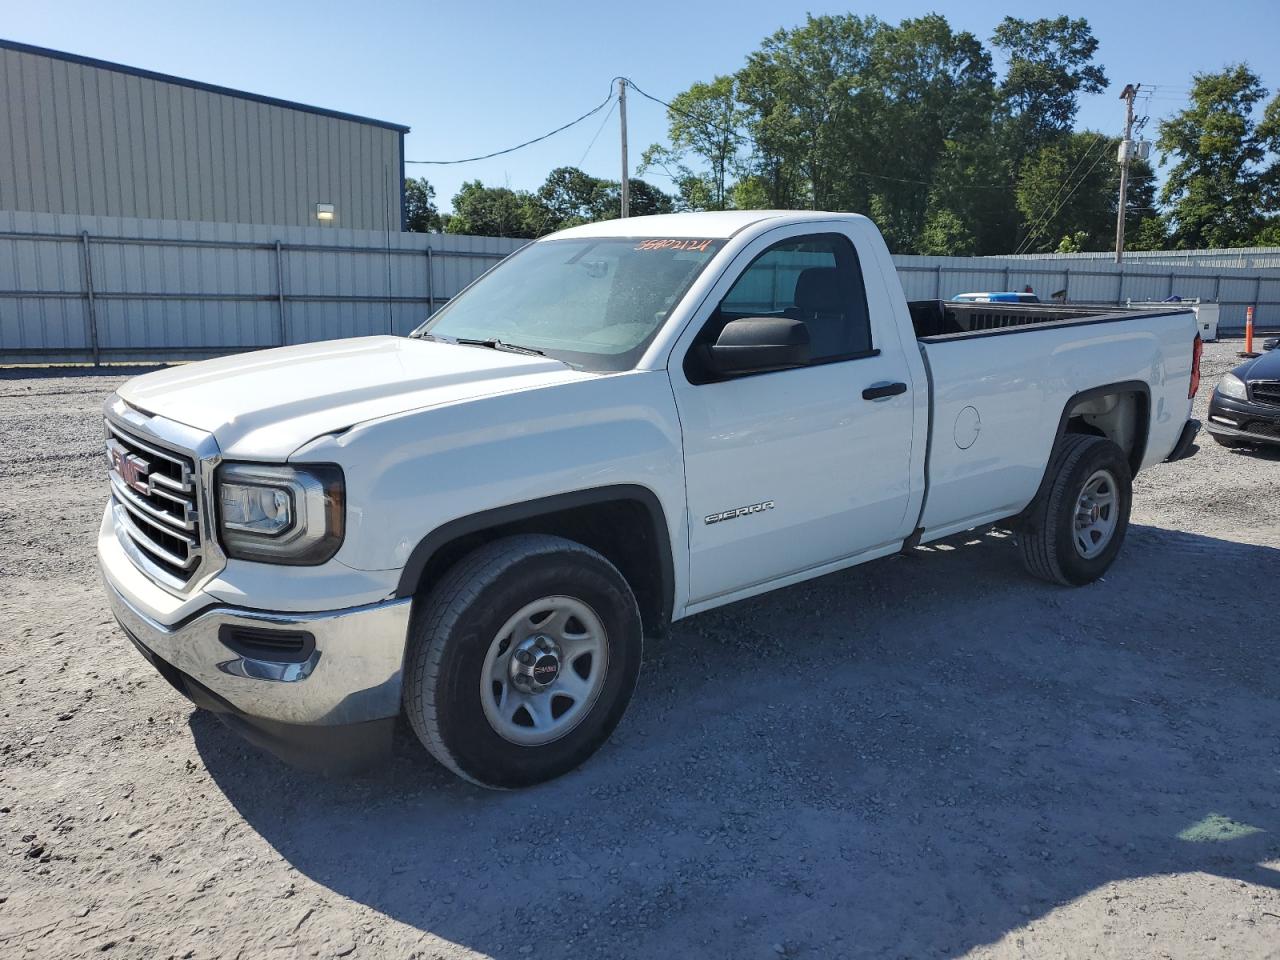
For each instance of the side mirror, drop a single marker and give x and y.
(758, 345)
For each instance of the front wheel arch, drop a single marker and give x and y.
(625, 523)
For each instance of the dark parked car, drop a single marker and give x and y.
(1245, 408)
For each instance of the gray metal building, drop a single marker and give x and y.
(88, 137)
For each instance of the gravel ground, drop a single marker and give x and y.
(927, 756)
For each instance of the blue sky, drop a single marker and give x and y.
(471, 77)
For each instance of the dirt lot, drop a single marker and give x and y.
(928, 756)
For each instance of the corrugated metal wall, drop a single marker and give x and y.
(1093, 281)
(154, 290)
(83, 139)
(127, 289)
(1232, 258)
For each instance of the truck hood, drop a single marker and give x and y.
(269, 403)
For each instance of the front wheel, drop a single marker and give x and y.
(1074, 531)
(522, 660)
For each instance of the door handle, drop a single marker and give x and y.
(883, 390)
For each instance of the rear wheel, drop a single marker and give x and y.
(1075, 530)
(522, 660)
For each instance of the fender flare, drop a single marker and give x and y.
(446, 533)
(1140, 445)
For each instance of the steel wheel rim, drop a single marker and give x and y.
(1097, 514)
(519, 706)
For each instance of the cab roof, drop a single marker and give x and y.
(712, 224)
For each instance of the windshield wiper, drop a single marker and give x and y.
(493, 343)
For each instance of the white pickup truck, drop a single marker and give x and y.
(619, 426)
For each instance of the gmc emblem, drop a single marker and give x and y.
(133, 470)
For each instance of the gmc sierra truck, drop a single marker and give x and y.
(619, 426)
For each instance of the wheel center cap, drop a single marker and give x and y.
(535, 664)
(545, 669)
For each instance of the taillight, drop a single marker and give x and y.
(1197, 348)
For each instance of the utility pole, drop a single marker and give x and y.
(1126, 151)
(626, 178)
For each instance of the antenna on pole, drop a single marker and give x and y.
(622, 117)
(1126, 154)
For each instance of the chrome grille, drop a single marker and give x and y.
(157, 492)
(1265, 391)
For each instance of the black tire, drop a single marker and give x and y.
(1047, 536)
(453, 627)
(1230, 442)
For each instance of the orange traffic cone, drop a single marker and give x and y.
(1248, 334)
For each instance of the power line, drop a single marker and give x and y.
(1038, 223)
(612, 103)
(724, 131)
(527, 143)
(1049, 218)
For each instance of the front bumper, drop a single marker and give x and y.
(1243, 420)
(345, 677)
(352, 674)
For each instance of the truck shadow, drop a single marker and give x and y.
(911, 758)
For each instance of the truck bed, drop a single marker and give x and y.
(1005, 389)
(935, 320)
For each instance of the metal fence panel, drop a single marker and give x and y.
(1228, 258)
(1099, 280)
(163, 289)
(80, 288)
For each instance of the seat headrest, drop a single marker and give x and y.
(818, 291)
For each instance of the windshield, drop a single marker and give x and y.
(595, 303)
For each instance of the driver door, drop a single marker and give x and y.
(790, 470)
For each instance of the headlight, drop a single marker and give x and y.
(281, 514)
(1232, 386)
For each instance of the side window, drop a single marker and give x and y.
(816, 279)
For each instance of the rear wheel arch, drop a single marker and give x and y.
(1121, 413)
(625, 523)
(1076, 418)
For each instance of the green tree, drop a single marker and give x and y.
(490, 212)
(569, 197)
(703, 121)
(809, 112)
(772, 179)
(935, 94)
(1217, 185)
(970, 182)
(1069, 186)
(1151, 233)
(1050, 66)
(1268, 235)
(695, 190)
(646, 200)
(420, 213)
(946, 235)
(1073, 242)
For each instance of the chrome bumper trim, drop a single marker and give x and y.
(353, 676)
